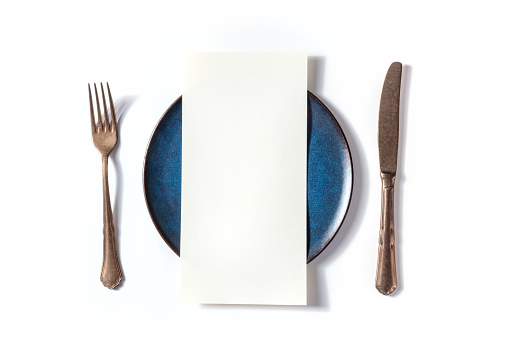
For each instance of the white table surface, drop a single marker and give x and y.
(452, 189)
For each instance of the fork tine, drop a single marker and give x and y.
(106, 117)
(112, 107)
(92, 117)
(99, 116)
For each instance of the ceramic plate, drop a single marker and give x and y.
(329, 182)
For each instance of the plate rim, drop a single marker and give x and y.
(336, 123)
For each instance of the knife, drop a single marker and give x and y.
(388, 132)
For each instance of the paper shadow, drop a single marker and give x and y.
(356, 210)
(122, 106)
(316, 71)
(317, 289)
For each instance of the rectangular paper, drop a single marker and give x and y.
(244, 162)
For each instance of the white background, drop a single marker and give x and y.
(452, 189)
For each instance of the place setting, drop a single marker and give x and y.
(248, 177)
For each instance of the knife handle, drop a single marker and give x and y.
(386, 281)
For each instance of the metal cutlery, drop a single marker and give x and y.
(104, 136)
(388, 132)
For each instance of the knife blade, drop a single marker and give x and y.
(388, 134)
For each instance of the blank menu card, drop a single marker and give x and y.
(244, 159)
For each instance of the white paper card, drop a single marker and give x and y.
(244, 161)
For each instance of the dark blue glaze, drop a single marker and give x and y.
(329, 185)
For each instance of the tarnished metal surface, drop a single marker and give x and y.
(388, 132)
(388, 120)
(104, 136)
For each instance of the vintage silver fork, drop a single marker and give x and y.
(105, 138)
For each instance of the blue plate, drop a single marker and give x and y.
(329, 184)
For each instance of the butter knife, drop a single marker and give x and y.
(388, 132)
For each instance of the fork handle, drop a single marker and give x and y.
(386, 280)
(111, 273)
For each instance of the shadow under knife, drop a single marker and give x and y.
(400, 176)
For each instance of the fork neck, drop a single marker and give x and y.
(105, 168)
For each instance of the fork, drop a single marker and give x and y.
(104, 136)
